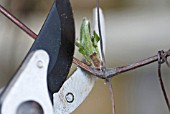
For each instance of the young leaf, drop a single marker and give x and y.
(95, 39)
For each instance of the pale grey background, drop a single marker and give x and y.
(135, 30)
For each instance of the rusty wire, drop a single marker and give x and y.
(109, 72)
(161, 59)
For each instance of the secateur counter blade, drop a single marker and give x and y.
(57, 38)
(76, 88)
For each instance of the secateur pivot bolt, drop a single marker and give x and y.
(69, 97)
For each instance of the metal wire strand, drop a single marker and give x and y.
(160, 61)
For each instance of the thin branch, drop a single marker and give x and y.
(136, 65)
(103, 68)
(17, 22)
(110, 72)
(111, 94)
(161, 60)
(162, 86)
(34, 36)
(106, 73)
(89, 69)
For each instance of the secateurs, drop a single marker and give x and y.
(37, 86)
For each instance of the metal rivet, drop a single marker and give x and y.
(69, 97)
(39, 64)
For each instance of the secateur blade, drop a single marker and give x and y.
(78, 86)
(57, 38)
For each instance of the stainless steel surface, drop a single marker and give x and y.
(28, 85)
(95, 27)
(130, 31)
(30, 107)
(73, 92)
(78, 86)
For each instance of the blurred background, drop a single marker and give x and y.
(135, 30)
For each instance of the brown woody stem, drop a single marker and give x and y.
(109, 72)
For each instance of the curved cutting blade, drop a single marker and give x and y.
(57, 38)
(73, 92)
(76, 88)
